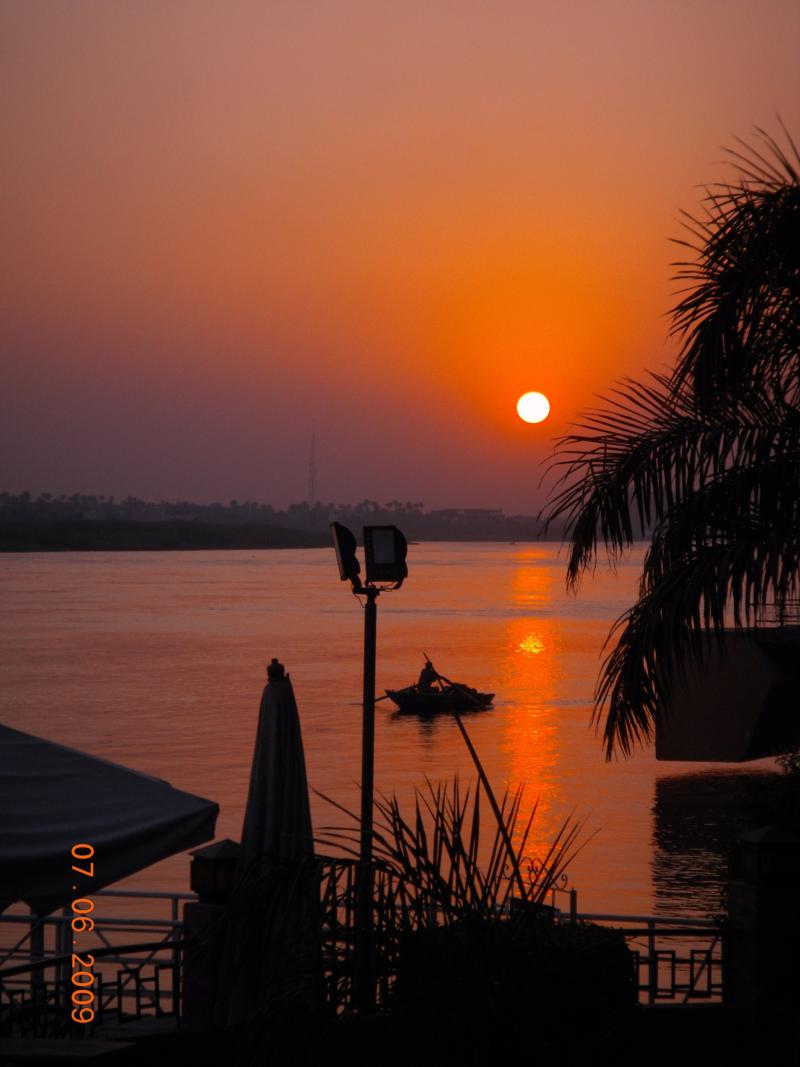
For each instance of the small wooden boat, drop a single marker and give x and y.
(416, 700)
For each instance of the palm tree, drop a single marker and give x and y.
(705, 461)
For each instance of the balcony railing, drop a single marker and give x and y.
(137, 946)
(137, 967)
(676, 960)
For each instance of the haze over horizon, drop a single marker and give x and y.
(222, 224)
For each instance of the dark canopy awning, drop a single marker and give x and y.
(53, 797)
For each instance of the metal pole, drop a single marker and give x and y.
(368, 724)
(365, 963)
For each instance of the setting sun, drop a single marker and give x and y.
(533, 407)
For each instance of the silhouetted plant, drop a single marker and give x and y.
(475, 952)
(293, 968)
(437, 860)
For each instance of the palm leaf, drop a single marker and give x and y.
(706, 461)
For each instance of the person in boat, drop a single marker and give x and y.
(427, 676)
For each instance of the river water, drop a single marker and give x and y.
(156, 660)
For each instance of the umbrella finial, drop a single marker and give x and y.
(275, 670)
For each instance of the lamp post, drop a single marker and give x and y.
(385, 550)
(368, 723)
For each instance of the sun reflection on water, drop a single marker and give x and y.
(531, 645)
(529, 672)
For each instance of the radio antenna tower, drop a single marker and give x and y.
(312, 467)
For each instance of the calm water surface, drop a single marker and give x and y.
(156, 660)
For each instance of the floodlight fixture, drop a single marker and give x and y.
(344, 542)
(385, 549)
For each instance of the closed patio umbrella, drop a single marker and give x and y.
(271, 935)
(277, 820)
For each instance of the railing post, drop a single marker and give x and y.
(652, 969)
(36, 942)
(176, 962)
(63, 942)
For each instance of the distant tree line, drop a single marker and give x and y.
(443, 524)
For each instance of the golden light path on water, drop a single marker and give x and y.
(156, 660)
(549, 667)
(529, 669)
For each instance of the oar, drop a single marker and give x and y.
(487, 786)
(357, 703)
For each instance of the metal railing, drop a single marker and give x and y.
(132, 978)
(33, 1004)
(139, 957)
(676, 960)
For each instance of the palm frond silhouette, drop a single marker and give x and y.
(705, 461)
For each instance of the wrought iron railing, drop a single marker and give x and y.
(139, 959)
(676, 960)
(35, 998)
(137, 968)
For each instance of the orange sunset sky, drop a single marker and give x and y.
(222, 220)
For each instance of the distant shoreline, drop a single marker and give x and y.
(76, 535)
(172, 536)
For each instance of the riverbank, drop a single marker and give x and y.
(76, 535)
(79, 535)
